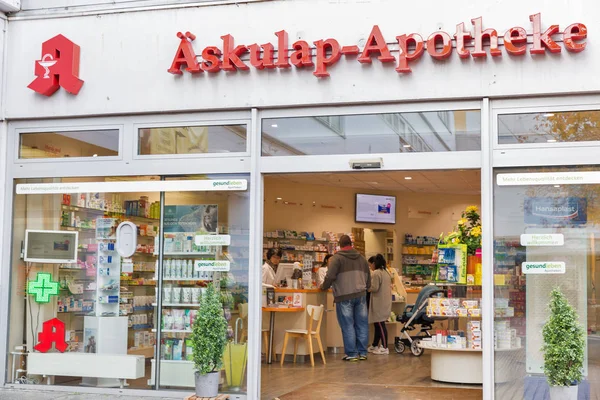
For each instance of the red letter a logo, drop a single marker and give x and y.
(58, 67)
(53, 331)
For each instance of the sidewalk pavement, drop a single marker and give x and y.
(13, 394)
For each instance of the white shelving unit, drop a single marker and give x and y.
(191, 305)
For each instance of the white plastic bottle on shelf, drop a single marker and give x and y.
(190, 269)
(178, 274)
(167, 269)
(184, 274)
(187, 244)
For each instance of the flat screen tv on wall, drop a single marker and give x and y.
(52, 247)
(375, 209)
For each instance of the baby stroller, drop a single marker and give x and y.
(415, 314)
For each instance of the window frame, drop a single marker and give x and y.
(189, 123)
(67, 128)
(468, 159)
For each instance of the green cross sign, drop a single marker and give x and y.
(43, 287)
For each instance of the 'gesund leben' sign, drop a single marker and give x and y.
(410, 47)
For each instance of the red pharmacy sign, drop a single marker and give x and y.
(408, 48)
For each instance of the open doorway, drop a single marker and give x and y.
(304, 217)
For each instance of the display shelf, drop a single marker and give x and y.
(134, 285)
(191, 305)
(320, 240)
(142, 308)
(185, 280)
(190, 254)
(147, 352)
(421, 264)
(140, 327)
(86, 251)
(429, 346)
(303, 251)
(134, 218)
(173, 331)
(74, 228)
(82, 209)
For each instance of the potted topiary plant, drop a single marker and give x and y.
(564, 346)
(209, 337)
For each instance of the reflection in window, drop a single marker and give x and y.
(373, 133)
(97, 143)
(551, 127)
(192, 140)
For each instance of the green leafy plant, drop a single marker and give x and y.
(209, 333)
(564, 343)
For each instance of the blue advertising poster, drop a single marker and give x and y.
(555, 210)
(202, 218)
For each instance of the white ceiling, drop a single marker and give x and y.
(450, 182)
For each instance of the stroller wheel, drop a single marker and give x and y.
(399, 346)
(415, 349)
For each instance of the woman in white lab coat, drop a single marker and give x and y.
(322, 271)
(269, 268)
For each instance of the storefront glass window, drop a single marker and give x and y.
(546, 235)
(372, 133)
(67, 251)
(549, 127)
(192, 140)
(93, 143)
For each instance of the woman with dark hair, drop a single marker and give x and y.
(322, 272)
(381, 305)
(371, 262)
(269, 268)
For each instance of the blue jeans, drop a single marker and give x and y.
(353, 318)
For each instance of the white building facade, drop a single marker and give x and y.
(484, 79)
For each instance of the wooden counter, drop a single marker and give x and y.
(288, 290)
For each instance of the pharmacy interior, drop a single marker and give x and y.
(424, 222)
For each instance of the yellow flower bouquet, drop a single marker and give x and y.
(467, 231)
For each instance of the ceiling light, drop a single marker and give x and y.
(547, 115)
(373, 183)
(279, 198)
(95, 155)
(408, 178)
(273, 125)
(406, 146)
(551, 140)
(556, 186)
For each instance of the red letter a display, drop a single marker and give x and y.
(53, 331)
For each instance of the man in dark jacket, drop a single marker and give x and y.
(350, 278)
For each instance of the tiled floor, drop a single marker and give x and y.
(380, 377)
